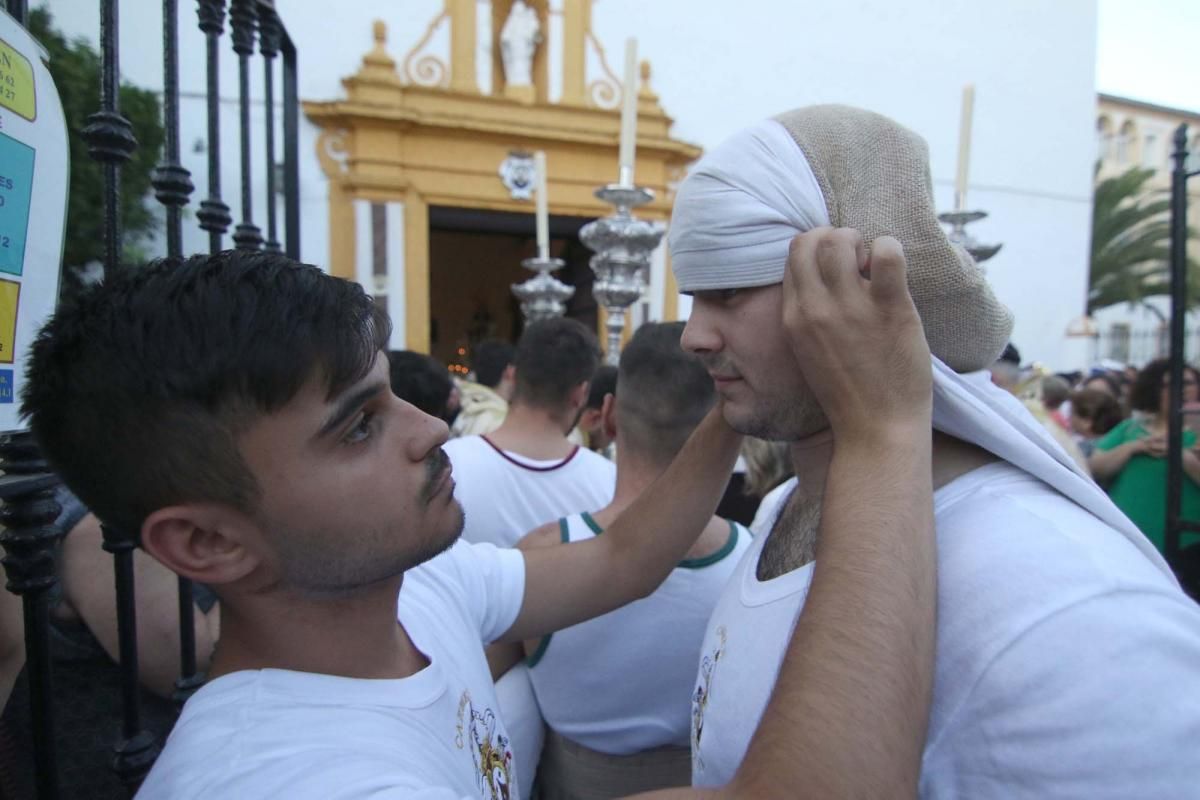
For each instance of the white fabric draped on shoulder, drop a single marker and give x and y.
(736, 213)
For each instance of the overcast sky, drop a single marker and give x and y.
(1150, 50)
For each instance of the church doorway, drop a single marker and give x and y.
(475, 257)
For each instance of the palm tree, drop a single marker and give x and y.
(1131, 244)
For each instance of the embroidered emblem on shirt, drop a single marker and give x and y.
(490, 750)
(704, 687)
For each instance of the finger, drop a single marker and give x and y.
(837, 257)
(888, 270)
(801, 280)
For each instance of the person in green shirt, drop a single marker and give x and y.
(1130, 461)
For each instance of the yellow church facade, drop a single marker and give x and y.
(430, 203)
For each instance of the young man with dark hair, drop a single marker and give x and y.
(615, 690)
(232, 413)
(419, 379)
(591, 422)
(527, 472)
(484, 401)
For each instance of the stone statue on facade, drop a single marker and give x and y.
(519, 39)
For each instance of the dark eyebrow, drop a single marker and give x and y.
(348, 405)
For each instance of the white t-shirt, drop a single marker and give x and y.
(620, 683)
(436, 734)
(1068, 664)
(505, 495)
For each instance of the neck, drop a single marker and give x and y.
(634, 476)
(284, 630)
(534, 432)
(951, 459)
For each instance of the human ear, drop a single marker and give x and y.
(209, 543)
(608, 415)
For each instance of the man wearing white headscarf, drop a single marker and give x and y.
(1067, 661)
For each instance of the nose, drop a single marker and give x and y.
(422, 433)
(700, 334)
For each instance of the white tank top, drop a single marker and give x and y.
(621, 683)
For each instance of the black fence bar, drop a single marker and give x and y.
(18, 10)
(268, 38)
(137, 748)
(172, 182)
(30, 541)
(242, 20)
(214, 213)
(291, 148)
(173, 188)
(1179, 176)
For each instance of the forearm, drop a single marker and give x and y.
(1191, 466)
(850, 708)
(675, 508)
(1105, 464)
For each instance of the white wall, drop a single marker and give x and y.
(719, 67)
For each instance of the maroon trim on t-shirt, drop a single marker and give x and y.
(529, 467)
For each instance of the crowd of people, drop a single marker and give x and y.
(526, 584)
(1114, 419)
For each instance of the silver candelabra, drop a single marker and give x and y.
(543, 296)
(622, 245)
(958, 221)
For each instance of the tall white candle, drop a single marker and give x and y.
(629, 104)
(543, 213)
(964, 148)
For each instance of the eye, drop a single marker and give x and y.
(363, 429)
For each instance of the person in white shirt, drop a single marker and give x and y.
(527, 472)
(615, 690)
(232, 414)
(1066, 660)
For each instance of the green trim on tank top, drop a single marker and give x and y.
(687, 563)
(531, 661)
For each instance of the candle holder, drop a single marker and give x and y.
(622, 244)
(543, 296)
(958, 221)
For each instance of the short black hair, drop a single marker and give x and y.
(604, 382)
(137, 390)
(1146, 394)
(662, 392)
(553, 357)
(419, 379)
(489, 359)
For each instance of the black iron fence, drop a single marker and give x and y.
(1186, 563)
(27, 487)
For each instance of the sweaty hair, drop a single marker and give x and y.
(489, 359)
(419, 379)
(662, 392)
(604, 382)
(1147, 392)
(138, 390)
(1099, 408)
(553, 357)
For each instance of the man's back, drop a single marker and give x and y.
(505, 495)
(1066, 660)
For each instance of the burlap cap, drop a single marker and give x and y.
(874, 175)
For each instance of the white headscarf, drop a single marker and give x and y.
(738, 211)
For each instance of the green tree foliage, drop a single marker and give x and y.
(75, 67)
(1131, 233)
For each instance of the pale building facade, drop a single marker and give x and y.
(406, 126)
(1130, 133)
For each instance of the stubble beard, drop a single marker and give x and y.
(312, 570)
(779, 420)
